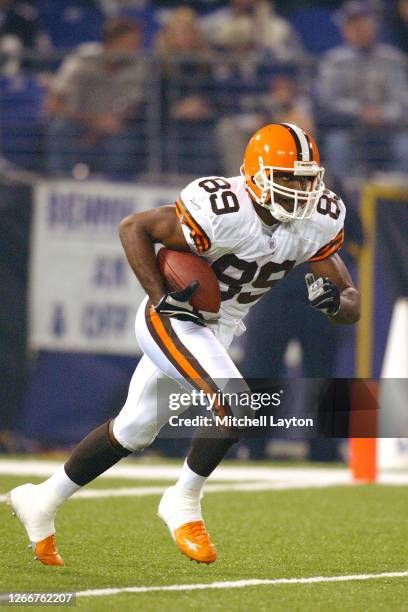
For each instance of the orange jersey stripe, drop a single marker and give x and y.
(184, 365)
(170, 346)
(198, 235)
(200, 238)
(330, 248)
(196, 238)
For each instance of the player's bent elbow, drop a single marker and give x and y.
(126, 223)
(129, 224)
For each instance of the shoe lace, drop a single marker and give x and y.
(197, 531)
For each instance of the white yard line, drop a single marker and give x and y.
(248, 478)
(239, 584)
(164, 471)
(210, 488)
(216, 488)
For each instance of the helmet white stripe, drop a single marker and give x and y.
(304, 144)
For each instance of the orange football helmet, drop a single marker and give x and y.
(283, 148)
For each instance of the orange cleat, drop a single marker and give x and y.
(39, 523)
(180, 510)
(46, 551)
(194, 541)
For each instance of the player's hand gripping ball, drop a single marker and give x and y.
(180, 269)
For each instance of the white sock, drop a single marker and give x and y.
(57, 488)
(190, 480)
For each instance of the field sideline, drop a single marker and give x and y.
(284, 541)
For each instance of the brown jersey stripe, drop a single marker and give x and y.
(178, 354)
(201, 239)
(156, 337)
(330, 248)
(153, 329)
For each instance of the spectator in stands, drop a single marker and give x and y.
(20, 20)
(96, 105)
(282, 102)
(187, 87)
(144, 11)
(362, 92)
(256, 22)
(21, 89)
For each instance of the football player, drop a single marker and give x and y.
(253, 229)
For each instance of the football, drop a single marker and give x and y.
(179, 269)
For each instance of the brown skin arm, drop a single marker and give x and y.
(334, 269)
(139, 233)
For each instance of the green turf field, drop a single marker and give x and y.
(119, 542)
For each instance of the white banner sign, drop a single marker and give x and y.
(83, 294)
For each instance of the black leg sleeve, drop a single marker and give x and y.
(94, 455)
(206, 453)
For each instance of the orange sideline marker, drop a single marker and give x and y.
(363, 431)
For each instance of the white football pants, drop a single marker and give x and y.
(194, 356)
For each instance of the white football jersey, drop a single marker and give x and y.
(220, 223)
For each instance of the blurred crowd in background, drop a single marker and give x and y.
(135, 88)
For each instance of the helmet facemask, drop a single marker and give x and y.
(304, 201)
